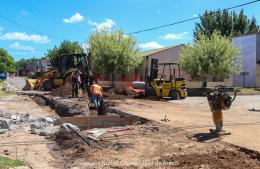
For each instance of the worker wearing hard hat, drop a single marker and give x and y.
(97, 96)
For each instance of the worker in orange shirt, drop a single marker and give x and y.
(97, 96)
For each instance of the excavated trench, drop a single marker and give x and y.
(77, 111)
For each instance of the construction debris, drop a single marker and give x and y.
(9, 121)
(43, 126)
(66, 127)
(165, 119)
(4, 125)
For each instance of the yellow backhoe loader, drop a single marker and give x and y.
(56, 77)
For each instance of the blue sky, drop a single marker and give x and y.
(30, 27)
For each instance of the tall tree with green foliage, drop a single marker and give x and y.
(7, 63)
(64, 47)
(214, 55)
(113, 52)
(227, 23)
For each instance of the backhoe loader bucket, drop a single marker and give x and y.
(30, 84)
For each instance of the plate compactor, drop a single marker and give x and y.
(220, 99)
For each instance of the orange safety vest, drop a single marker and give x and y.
(96, 89)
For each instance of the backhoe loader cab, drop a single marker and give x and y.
(69, 60)
(168, 82)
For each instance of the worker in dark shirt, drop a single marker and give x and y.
(76, 80)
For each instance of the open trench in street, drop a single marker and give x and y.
(135, 142)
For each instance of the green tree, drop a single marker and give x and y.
(7, 63)
(214, 55)
(227, 23)
(113, 52)
(65, 47)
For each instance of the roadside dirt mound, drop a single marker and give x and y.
(118, 94)
(214, 160)
(62, 91)
(111, 95)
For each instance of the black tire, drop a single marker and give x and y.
(150, 92)
(47, 85)
(174, 94)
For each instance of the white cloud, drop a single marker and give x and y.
(107, 24)
(25, 37)
(18, 46)
(173, 36)
(92, 23)
(150, 45)
(74, 18)
(85, 46)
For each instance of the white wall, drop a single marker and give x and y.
(247, 44)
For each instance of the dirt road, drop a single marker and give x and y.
(18, 82)
(193, 115)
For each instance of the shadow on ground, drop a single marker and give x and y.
(206, 137)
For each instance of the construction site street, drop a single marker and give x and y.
(193, 114)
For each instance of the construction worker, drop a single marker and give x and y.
(76, 80)
(97, 96)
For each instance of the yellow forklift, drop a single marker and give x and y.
(159, 85)
(56, 77)
(173, 87)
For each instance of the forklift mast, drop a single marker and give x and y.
(154, 70)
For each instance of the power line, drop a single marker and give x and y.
(25, 27)
(191, 19)
(38, 10)
(34, 30)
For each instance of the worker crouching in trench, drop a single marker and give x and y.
(219, 100)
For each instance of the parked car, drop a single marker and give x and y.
(2, 76)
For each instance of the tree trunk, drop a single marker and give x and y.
(204, 81)
(204, 84)
(113, 80)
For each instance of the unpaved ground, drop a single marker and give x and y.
(183, 143)
(36, 150)
(192, 114)
(154, 145)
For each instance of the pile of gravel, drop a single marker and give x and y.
(9, 121)
(44, 126)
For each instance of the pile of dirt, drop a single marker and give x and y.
(118, 94)
(62, 91)
(213, 160)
